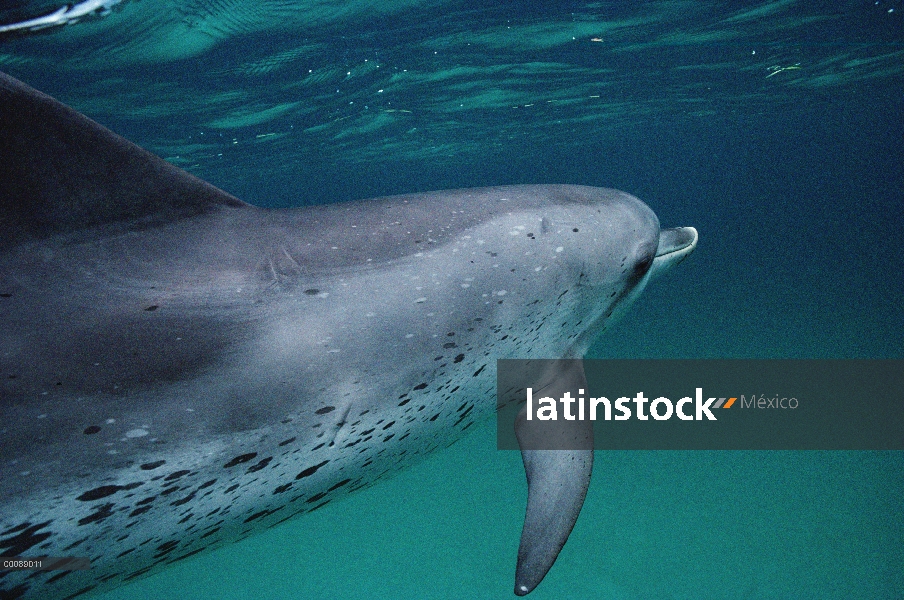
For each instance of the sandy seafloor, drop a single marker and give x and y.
(775, 129)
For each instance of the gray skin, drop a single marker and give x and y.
(179, 369)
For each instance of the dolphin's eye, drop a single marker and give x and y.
(643, 265)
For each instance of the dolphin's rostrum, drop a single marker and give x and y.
(179, 369)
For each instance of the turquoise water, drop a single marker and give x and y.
(774, 128)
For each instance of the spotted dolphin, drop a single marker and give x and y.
(179, 369)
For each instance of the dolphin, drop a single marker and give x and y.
(180, 369)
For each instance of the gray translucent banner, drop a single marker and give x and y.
(709, 404)
(44, 563)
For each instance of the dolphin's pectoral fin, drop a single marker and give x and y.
(557, 480)
(557, 484)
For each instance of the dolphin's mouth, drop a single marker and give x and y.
(674, 246)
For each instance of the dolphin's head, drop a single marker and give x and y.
(622, 243)
(607, 245)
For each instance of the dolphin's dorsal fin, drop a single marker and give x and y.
(60, 172)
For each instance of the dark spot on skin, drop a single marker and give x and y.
(121, 554)
(575, 230)
(312, 292)
(84, 590)
(76, 543)
(192, 553)
(257, 515)
(101, 513)
(58, 576)
(232, 488)
(169, 490)
(207, 484)
(325, 409)
(450, 334)
(166, 547)
(405, 401)
(388, 425)
(139, 511)
(92, 429)
(240, 459)
(175, 475)
(104, 491)
(459, 358)
(286, 442)
(478, 371)
(146, 500)
(138, 573)
(209, 533)
(151, 308)
(340, 484)
(153, 465)
(388, 437)
(310, 470)
(282, 488)
(185, 500)
(13, 376)
(420, 386)
(186, 518)
(260, 465)
(27, 537)
(434, 417)
(315, 497)
(448, 345)
(462, 417)
(5, 295)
